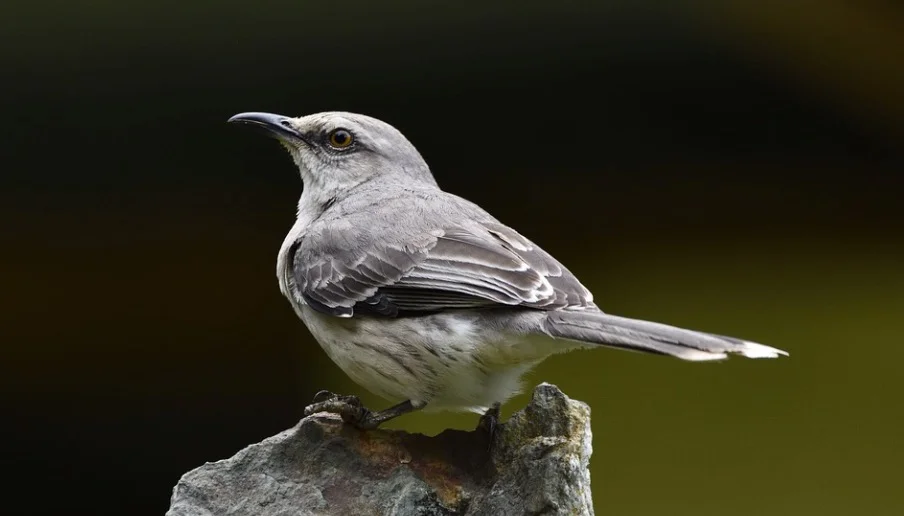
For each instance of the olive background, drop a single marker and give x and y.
(733, 166)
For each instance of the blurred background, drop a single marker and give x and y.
(727, 165)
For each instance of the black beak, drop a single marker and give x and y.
(276, 126)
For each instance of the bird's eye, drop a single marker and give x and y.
(340, 139)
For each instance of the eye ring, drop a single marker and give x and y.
(340, 139)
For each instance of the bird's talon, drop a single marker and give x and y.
(349, 408)
(322, 396)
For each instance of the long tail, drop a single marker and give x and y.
(649, 337)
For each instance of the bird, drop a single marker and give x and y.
(421, 296)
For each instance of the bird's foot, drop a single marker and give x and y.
(488, 423)
(349, 408)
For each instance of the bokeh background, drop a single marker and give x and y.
(728, 165)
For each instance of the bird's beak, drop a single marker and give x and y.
(276, 126)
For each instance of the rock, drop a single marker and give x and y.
(538, 464)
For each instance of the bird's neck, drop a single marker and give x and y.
(311, 205)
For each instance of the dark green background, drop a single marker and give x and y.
(730, 166)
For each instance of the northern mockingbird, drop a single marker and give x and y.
(422, 297)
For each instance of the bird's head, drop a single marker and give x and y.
(337, 151)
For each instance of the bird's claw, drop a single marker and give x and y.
(349, 408)
(322, 396)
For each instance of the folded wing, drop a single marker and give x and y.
(470, 265)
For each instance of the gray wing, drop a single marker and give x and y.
(472, 265)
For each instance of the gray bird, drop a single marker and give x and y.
(422, 297)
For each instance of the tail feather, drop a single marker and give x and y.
(650, 337)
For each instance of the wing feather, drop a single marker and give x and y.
(472, 265)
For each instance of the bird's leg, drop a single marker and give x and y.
(489, 421)
(375, 419)
(355, 414)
